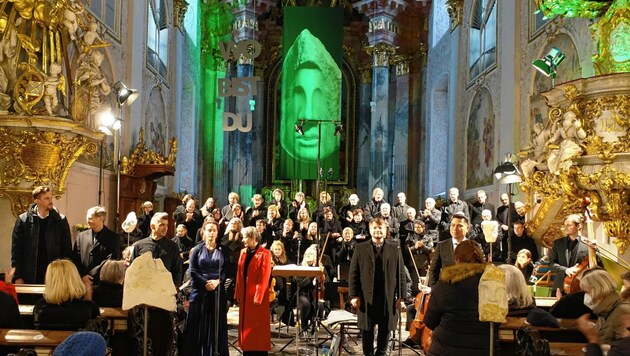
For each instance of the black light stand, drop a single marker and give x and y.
(508, 173)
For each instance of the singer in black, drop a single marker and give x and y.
(377, 286)
(207, 270)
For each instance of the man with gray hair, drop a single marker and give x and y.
(144, 220)
(346, 213)
(96, 245)
(392, 223)
(454, 206)
(431, 218)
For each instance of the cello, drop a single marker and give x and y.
(572, 282)
(418, 332)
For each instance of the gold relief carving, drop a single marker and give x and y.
(381, 53)
(422, 53)
(179, 11)
(455, 10)
(20, 200)
(401, 62)
(611, 35)
(141, 155)
(245, 22)
(30, 158)
(366, 73)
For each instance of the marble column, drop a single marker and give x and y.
(363, 134)
(380, 141)
(239, 144)
(400, 127)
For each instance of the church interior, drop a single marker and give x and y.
(114, 103)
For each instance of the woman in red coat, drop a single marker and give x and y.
(252, 294)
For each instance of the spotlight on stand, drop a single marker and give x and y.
(109, 123)
(299, 128)
(508, 173)
(548, 65)
(124, 94)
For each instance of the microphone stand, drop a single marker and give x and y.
(217, 310)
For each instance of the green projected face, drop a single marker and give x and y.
(311, 87)
(308, 104)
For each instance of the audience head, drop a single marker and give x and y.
(278, 251)
(519, 228)
(523, 258)
(278, 194)
(310, 256)
(411, 214)
(147, 207)
(210, 230)
(181, 230)
(235, 225)
(468, 252)
(210, 203)
(459, 226)
(113, 272)
(251, 237)
(347, 234)
(328, 213)
(519, 295)
(303, 215)
(453, 194)
(505, 199)
(43, 198)
(312, 229)
(186, 198)
(597, 284)
(486, 215)
(324, 197)
(273, 212)
(402, 198)
(63, 282)
(429, 203)
(357, 215)
(159, 225)
(519, 206)
(418, 227)
(236, 209)
(233, 198)
(191, 205)
(95, 218)
(377, 194)
(216, 214)
(258, 200)
(378, 230)
(287, 226)
(481, 196)
(261, 226)
(385, 210)
(573, 224)
(299, 197)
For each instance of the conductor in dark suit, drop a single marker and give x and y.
(443, 254)
(377, 285)
(96, 245)
(568, 251)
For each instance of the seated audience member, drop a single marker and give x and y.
(359, 227)
(183, 241)
(569, 306)
(7, 286)
(618, 347)
(347, 246)
(10, 317)
(602, 297)
(109, 292)
(63, 306)
(524, 263)
(520, 299)
(453, 311)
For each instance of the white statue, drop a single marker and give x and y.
(570, 135)
(55, 80)
(71, 13)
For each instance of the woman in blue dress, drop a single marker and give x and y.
(208, 263)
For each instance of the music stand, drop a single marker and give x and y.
(297, 271)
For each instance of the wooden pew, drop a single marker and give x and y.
(116, 316)
(43, 341)
(566, 333)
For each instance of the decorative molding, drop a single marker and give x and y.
(401, 63)
(455, 10)
(179, 12)
(381, 54)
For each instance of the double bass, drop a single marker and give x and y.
(418, 332)
(572, 282)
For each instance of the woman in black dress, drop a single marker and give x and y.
(208, 264)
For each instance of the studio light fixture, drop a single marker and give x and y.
(299, 128)
(109, 123)
(125, 95)
(507, 172)
(548, 65)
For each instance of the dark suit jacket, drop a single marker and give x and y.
(442, 258)
(559, 258)
(361, 281)
(93, 252)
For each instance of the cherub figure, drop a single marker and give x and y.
(571, 134)
(54, 81)
(71, 14)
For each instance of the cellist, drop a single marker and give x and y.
(568, 251)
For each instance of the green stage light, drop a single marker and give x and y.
(548, 64)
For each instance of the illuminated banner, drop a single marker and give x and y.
(311, 93)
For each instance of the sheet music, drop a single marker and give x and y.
(340, 316)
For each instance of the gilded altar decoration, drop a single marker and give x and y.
(381, 54)
(455, 10)
(611, 33)
(142, 160)
(49, 96)
(581, 151)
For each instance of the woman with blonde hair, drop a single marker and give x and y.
(66, 304)
(109, 291)
(520, 300)
(602, 297)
